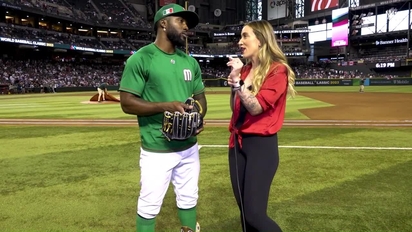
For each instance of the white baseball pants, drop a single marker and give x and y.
(158, 169)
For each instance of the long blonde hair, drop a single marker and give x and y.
(269, 52)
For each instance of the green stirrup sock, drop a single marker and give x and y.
(145, 225)
(188, 217)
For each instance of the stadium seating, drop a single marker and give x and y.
(23, 76)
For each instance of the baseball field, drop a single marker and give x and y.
(345, 164)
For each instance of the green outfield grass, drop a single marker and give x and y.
(87, 179)
(70, 106)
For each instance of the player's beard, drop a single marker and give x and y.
(175, 38)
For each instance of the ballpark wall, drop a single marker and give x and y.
(353, 82)
(324, 82)
(221, 82)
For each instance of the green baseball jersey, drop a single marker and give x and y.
(156, 76)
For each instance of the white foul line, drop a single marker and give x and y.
(324, 147)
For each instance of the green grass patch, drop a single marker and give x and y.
(66, 106)
(87, 179)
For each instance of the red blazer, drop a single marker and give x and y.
(272, 97)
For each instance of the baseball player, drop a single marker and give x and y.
(158, 78)
(362, 85)
(102, 90)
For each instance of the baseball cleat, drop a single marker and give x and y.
(187, 229)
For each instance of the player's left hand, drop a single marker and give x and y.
(199, 130)
(181, 126)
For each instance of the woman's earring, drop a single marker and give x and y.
(164, 28)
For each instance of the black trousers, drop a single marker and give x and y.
(252, 170)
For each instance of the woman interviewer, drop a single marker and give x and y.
(259, 92)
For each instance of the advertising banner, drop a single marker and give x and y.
(323, 4)
(340, 24)
(75, 47)
(322, 82)
(277, 9)
(394, 81)
(352, 82)
(390, 42)
(347, 82)
(27, 42)
(224, 34)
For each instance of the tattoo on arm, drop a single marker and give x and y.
(250, 102)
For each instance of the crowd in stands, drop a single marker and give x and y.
(323, 72)
(114, 12)
(375, 54)
(117, 12)
(102, 41)
(214, 71)
(26, 75)
(104, 12)
(34, 34)
(124, 13)
(23, 76)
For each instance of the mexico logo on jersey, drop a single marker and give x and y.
(187, 74)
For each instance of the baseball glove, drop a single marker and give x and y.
(178, 126)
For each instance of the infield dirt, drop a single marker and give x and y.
(361, 106)
(358, 106)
